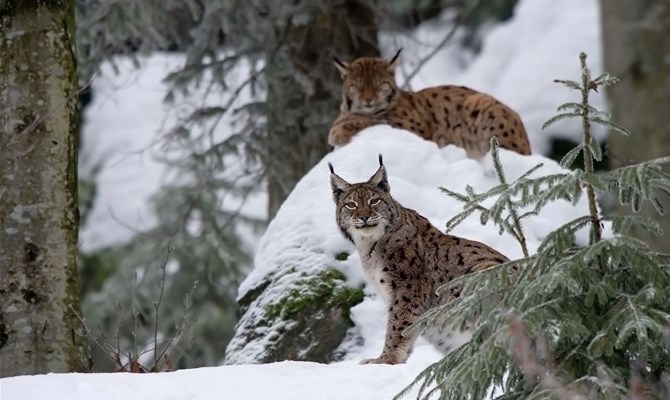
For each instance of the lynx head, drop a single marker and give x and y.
(366, 210)
(369, 85)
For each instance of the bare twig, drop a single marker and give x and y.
(522, 353)
(157, 305)
(450, 34)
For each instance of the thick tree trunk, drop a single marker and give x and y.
(39, 330)
(304, 88)
(636, 38)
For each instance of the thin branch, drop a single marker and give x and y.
(522, 353)
(517, 230)
(440, 45)
(157, 305)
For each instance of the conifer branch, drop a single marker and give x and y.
(517, 230)
(586, 86)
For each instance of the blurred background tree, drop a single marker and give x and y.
(39, 303)
(636, 39)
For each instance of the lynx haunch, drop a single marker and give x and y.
(405, 258)
(444, 114)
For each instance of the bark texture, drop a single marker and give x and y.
(304, 87)
(39, 330)
(636, 38)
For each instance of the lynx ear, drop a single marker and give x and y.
(338, 184)
(379, 179)
(393, 61)
(342, 67)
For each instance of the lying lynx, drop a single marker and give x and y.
(405, 258)
(444, 114)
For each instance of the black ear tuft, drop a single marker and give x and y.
(395, 57)
(380, 179)
(330, 167)
(381, 162)
(338, 62)
(342, 67)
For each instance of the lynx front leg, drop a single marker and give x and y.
(398, 343)
(348, 125)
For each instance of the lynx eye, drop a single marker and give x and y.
(350, 205)
(374, 202)
(384, 87)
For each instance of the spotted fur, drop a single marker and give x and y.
(444, 114)
(406, 259)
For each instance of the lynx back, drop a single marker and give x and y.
(443, 114)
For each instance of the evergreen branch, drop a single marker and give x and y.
(575, 107)
(609, 124)
(526, 174)
(559, 117)
(596, 151)
(621, 225)
(570, 157)
(570, 84)
(606, 79)
(518, 229)
(596, 229)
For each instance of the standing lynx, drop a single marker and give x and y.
(405, 258)
(444, 114)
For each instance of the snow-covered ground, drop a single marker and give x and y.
(519, 60)
(279, 381)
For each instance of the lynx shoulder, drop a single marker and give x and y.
(405, 258)
(443, 114)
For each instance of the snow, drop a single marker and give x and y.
(518, 62)
(279, 381)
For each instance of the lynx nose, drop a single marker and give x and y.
(364, 219)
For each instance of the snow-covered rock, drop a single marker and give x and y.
(303, 243)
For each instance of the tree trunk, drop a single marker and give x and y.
(39, 330)
(304, 88)
(636, 38)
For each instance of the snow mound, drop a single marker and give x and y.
(304, 231)
(304, 236)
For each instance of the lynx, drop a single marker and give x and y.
(405, 258)
(444, 114)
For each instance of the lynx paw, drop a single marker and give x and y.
(338, 137)
(379, 360)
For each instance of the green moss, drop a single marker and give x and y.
(324, 291)
(342, 256)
